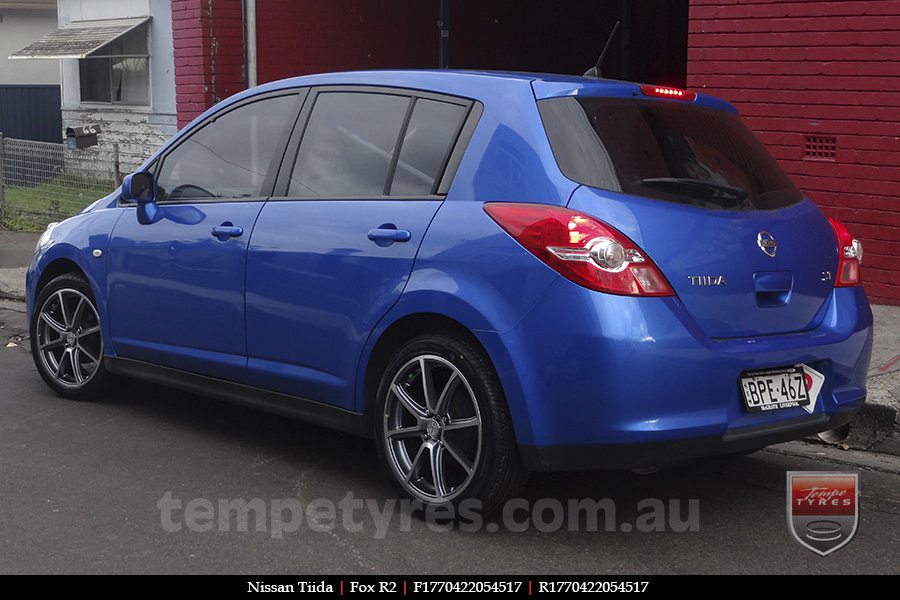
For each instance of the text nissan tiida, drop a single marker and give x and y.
(489, 273)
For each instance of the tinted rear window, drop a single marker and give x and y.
(426, 145)
(348, 144)
(665, 150)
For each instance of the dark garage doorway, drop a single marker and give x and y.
(567, 37)
(563, 36)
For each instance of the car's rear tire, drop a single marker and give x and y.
(450, 440)
(66, 339)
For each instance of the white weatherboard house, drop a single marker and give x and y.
(116, 71)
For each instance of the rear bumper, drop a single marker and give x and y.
(646, 454)
(597, 380)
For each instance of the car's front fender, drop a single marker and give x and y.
(76, 240)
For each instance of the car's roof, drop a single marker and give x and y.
(479, 85)
(439, 80)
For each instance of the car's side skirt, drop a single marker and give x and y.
(238, 393)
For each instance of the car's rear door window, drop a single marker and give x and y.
(349, 144)
(229, 156)
(665, 150)
(427, 142)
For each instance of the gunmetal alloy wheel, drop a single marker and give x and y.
(68, 338)
(432, 429)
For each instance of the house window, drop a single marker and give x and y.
(119, 72)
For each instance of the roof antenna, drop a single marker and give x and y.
(596, 71)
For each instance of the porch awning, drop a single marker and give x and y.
(79, 39)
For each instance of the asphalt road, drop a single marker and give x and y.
(80, 485)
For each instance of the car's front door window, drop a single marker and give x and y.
(229, 156)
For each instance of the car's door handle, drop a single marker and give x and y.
(227, 230)
(393, 235)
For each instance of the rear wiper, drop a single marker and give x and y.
(733, 191)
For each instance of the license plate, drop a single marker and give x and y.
(774, 389)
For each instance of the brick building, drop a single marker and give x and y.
(819, 83)
(818, 80)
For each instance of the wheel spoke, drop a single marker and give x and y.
(458, 457)
(455, 424)
(50, 345)
(89, 331)
(447, 393)
(86, 352)
(412, 467)
(428, 384)
(403, 432)
(62, 360)
(53, 323)
(76, 316)
(77, 373)
(437, 470)
(407, 401)
(63, 310)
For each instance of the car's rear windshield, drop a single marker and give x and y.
(666, 150)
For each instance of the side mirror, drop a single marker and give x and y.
(141, 188)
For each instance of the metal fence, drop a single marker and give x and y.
(42, 182)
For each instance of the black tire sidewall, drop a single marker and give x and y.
(97, 385)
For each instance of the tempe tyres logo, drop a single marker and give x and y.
(822, 509)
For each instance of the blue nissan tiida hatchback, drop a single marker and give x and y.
(489, 273)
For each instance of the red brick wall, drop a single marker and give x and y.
(297, 37)
(798, 68)
(208, 36)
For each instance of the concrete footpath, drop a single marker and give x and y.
(16, 249)
(877, 428)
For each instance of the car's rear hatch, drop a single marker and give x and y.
(691, 185)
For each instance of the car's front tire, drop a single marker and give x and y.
(442, 427)
(66, 339)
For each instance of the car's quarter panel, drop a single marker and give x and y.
(317, 286)
(509, 158)
(471, 271)
(176, 292)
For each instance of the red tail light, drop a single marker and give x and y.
(659, 91)
(850, 253)
(581, 248)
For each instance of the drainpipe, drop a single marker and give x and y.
(625, 41)
(444, 28)
(250, 41)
